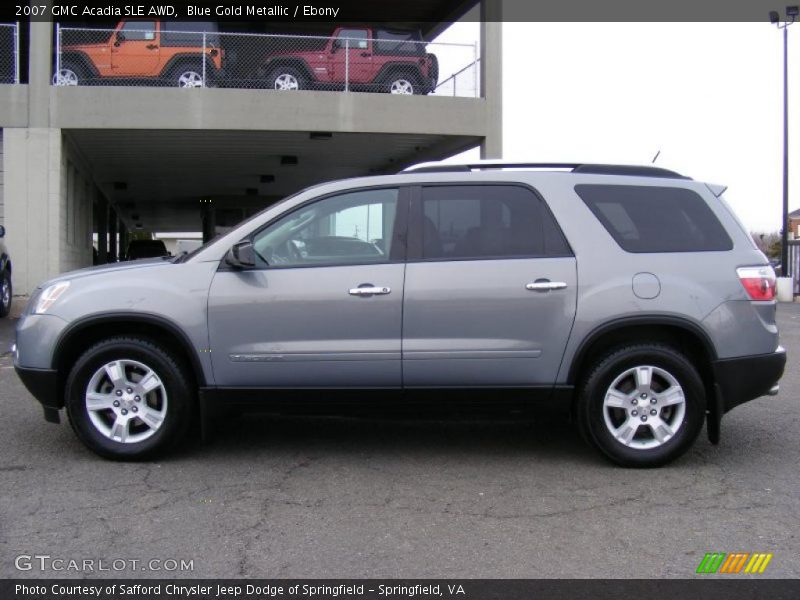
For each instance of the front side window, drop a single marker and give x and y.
(357, 38)
(350, 228)
(655, 219)
(139, 31)
(487, 221)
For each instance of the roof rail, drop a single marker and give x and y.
(594, 169)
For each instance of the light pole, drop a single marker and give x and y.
(775, 19)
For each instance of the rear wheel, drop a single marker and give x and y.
(188, 76)
(128, 399)
(6, 293)
(642, 405)
(405, 84)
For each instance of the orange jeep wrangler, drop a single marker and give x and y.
(169, 53)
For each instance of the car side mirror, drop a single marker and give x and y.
(119, 38)
(241, 256)
(2, 231)
(335, 46)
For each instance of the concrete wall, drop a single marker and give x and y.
(49, 216)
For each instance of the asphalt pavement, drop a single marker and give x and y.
(300, 497)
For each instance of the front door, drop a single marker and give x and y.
(490, 291)
(352, 61)
(323, 307)
(134, 50)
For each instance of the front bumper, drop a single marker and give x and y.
(43, 384)
(746, 378)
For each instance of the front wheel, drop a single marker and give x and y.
(5, 293)
(642, 405)
(69, 74)
(128, 399)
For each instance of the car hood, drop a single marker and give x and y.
(144, 263)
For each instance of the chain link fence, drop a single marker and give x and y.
(9, 52)
(197, 55)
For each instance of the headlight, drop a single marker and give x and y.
(49, 296)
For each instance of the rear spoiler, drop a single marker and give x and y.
(717, 190)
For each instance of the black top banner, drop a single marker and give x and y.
(395, 11)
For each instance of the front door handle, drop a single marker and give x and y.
(365, 54)
(151, 46)
(545, 285)
(370, 290)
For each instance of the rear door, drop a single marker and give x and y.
(490, 291)
(135, 50)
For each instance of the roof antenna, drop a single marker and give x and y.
(655, 158)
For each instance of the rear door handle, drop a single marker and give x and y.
(545, 285)
(370, 290)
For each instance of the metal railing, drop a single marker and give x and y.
(467, 78)
(9, 52)
(175, 58)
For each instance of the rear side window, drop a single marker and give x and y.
(487, 221)
(655, 219)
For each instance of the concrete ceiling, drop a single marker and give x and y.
(161, 176)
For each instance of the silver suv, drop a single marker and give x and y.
(629, 296)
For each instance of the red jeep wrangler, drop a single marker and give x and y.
(355, 58)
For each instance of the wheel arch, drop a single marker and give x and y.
(294, 63)
(390, 69)
(177, 60)
(82, 59)
(81, 335)
(681, 333)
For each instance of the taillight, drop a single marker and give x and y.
(758, 281)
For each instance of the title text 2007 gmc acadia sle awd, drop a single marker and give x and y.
(631, 296)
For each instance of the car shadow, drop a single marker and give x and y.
(543, 438)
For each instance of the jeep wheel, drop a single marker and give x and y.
(403, 84)
(69, 74)
(128, 399)
(5, 293)
(188, 77)
(287, 78)
(642, 406)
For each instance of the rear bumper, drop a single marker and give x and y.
(749, 377)
(43, 384)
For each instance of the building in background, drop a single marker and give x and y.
(98, 161)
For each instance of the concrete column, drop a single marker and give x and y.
(40, 73)
(33, 184)
(123, 239)
(492, 76)
(112, 235)
(102, 229)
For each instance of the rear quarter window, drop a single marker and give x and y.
(645, 219)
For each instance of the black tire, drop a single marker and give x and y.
(592, 415)
(74, 67)
(186, 73)
(400, 79)
(178, 407)
(287, 74)
(5, 298)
